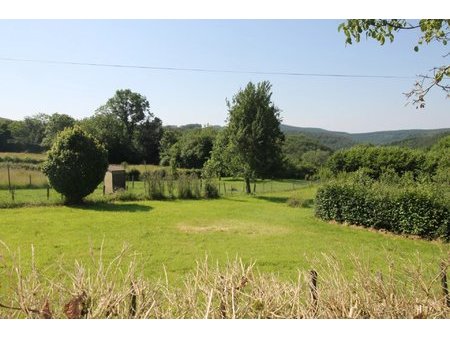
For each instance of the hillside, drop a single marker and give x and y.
(420, 141)
(336, 140)
(331, 139)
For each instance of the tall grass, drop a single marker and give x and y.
(22, 157)
(116, 289)
(21, 177)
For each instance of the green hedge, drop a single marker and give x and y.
(416, 209)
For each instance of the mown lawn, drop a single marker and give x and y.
(174, 234)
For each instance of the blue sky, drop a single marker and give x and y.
(181, 97)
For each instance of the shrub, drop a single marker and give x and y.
(154, 183)
(133, 174)
(76, 164)
(184, 187)
(416, 209)
(211, 190)
(377, 159)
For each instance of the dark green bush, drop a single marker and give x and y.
(376, 160)
(154, 184)
(133, 174)
(415, 209)
(76, 164)
(184, 187)
(211, 190)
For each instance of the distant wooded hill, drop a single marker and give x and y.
(415, 138)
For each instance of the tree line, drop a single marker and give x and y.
(251, 144)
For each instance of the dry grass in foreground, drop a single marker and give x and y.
(238, 290)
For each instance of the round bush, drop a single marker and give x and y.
(76, 164)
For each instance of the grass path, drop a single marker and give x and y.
(175, 234)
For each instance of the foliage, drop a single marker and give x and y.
(254, 132)
(220, 163)
(127, 128)
(130, 108)
(147, 140)
(108, 130)
(211, 190)
(54, 124)
(402, 207)
(133, 174)
(76, 164)
(431, 30)
(421, 141)
(5, 135)
(154, 183)
(190, 149)
(376, 160)
(29, 133)
(169, 137)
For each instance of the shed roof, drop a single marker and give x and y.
(115, 167)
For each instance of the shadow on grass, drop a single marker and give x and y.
(273, 199)
(115, 207)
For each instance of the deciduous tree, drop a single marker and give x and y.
(254, 132)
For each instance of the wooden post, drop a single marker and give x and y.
(444, 283)
(29, 176)
(254, 187)
(12, 194)
(132, 181)
(224, 188)
(9, 178)
(313, 287)
(48, 192)
(104, 190)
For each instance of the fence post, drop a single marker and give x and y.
(48, 192)
(254, 187)
(29, 176)
(104, 190)
(224, 188)
(444, 283)
(12, 194)
(9, 178)
(132, 181)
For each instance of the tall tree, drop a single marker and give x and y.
(431, 30)
(127, 128)
(130, 108)
(5, 135)
(107, 128)
(29, 133)
(254, 132)
(148, 136)
(55, 124)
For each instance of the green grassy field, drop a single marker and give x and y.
(175, 234)
(23, 156)
(227, 187)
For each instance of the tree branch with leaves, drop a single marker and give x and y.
(431, 30)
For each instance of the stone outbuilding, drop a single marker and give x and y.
(115, 179)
